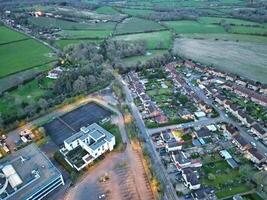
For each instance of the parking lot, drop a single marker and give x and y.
(63, 127)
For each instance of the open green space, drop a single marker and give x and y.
(232, 21)
(154, 40)
(29, 92)
(249, 30)
(186, 26)
(134, 59)
(22, 55)
(243, 58)
(65, 42)
(7, 35)
(217, 172)
(137, 12)
(48, 22)
(137, 25)
(227, 36)
(77, 34)
(106, 10)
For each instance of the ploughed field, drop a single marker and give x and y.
(243, 58)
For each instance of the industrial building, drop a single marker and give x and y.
(28, 175)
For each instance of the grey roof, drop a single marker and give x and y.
(94, 131)
(97, 144)
(34, 159)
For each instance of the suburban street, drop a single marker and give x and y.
(170, 193)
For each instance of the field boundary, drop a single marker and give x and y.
(15, 41)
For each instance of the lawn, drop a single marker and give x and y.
(65, 42)
(154, 40)
(18, 56)
(137, 25)
(185, 26)
(8, 35)
(243, 58)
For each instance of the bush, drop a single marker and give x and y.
(211, 177)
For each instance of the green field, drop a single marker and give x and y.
(185, 26)
(217, 20)
(243, 58)
(249, 30)
(137, 12)
(30, 91)
(227, 36)
(46, 22)
(78, 34)
(106, 10)
(154, 40)
(7, 35)
(18, 56)
(137, 25)
(134, 59)
(65, 42)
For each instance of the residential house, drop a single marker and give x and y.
(255, 156)
(241, 143)
(220, 99)
(190, 179)
(173, 146)
(203, 133)
(180, 160)
(204, 107)
(259, 131)
(244, 118)
(204, 194)
(185, 114)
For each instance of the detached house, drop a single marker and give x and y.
(190, 179)
(180, 160)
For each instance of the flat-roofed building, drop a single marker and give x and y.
(85, 146)
(28, 175)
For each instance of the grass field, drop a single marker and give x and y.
(22, 55)
(154, 40)
(227, 36)
(134, 59)
(30, 91)
(243, 58)
(47, 22)
(65, 42)
(217, 20)
(7, 35)
(249, 30)
(106, 10)
(78, 34)
(137, 12)
(137, 25)
(185, 26)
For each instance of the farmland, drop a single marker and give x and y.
(154, 40)
(10, 36)
(29, 53)
(248, 59)
(137, 25)
(184, 26)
